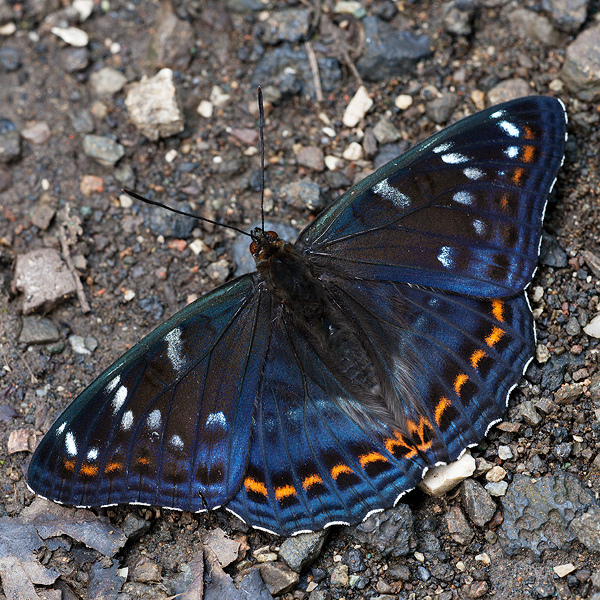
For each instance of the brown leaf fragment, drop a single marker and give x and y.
(225, 549)
(19, 567)
(195, 589)
(18, 441)
(51, 520)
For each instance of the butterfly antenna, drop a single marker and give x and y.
(181, 212)
(261, 112)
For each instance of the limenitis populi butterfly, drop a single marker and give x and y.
(318, 389)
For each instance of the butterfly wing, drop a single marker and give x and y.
(461, 211)
(168, 423)
(312, 464)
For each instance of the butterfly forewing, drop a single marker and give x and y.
(461, 211)
(169, 422)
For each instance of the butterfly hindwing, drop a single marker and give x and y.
(461, 211)
(169, 423)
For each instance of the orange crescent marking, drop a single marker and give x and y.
(339, 469)
(255, 486)
(504, 201)
(476, 357)
(528, 133)
(284, 492)
(365, 459)
(311, 480)
(113, 467)
(398, 440)
(440, 407)
(460, 380)
(143, 461)
(419, 431)
(89, 470)
(494, 337)
(70, 465)
(498, 310)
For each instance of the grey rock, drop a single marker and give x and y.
(386, 132)
(530, 25)
(107, 81)
(303, 194)
(10, 146)
(290, 25)
(477, 502)
(538, 513)
(458, 526)
(311, 157)
(587, 528)
(74, 59)
(339, 576)
(102, 149)
(78, 345)
(154, 106)
(509, 89)
(389, 53)
(38, 330)
(172, 41)
(278, 578)
(288, 70)
(301, 550)
(529, 413)
(581, 69)
(5, 179)
(551, 254)
(573, 327)
(497, 488)
(439, 110)
(569, 15)
(390, 532)
(82, 121)
(458, 15)
(134, 527)
(248, 6)
(43, 278)
(42, 215)
(9, 59)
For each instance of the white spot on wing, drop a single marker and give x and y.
(445, 257)
(119, 399)
(61, 428)
(454, 159)
(154, 419)
(127, 421)
(479, 226)
(92, 454)
(512, 152)
(70, 444)
(443, 147)
(473, 173)
(175, 348)
(112, 384)
(176, 441)
(509, 128)
(463, 197)
(217, 420)
(385, 190)
(497, 114)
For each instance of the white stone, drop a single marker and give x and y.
(497, 488)
(542, 354)
(353, 152)
(171, 155)
(593, 327)
(205, 109)
(218, 97)
(83, 8)
(125, 201)
(8, 29)
(128, 295)
(537, 294)
(357, 108)
(504, 453)
(329, 131)
(439, 480)
(333, 162)
(72, 35)
(198, 246)
(403, 101)
(562, 570)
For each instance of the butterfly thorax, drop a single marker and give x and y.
(304, 300)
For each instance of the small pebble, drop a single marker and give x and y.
(403, 101)
(72, 35)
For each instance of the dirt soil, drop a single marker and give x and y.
(123, 253)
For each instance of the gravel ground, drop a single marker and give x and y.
(75, 127)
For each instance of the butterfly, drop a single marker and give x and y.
(320, 388)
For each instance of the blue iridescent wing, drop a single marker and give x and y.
(312, 463)
(461, 211)
(168, 423)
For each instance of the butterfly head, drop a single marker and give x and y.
(264, 244)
